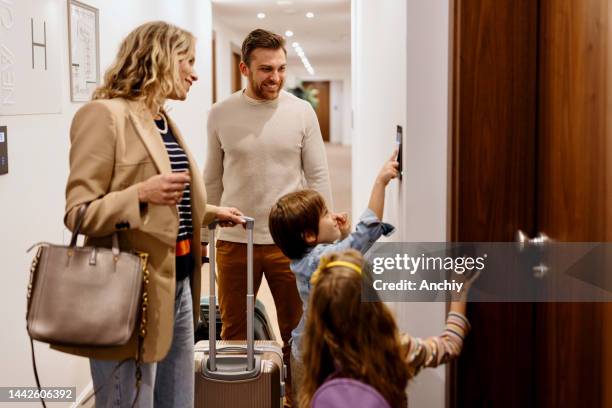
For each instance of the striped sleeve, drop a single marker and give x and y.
(436, 350)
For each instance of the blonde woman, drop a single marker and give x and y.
(129, 162)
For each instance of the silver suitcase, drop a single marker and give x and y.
(237, 374)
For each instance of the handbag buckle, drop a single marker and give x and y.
(93, 257)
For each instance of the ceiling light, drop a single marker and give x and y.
(261, 16)
(284, 2)
(310, 14)
(288, 33)
(300, 52)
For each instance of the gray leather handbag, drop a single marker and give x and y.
(86, 296)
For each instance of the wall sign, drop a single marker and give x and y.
(83, 34)
(30, 57)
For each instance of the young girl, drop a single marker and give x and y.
(348, 338)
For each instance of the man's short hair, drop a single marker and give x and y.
(292, 216)
(260, 38)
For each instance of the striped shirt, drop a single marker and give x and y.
(436, 350)
(179, 163)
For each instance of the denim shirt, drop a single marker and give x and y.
(368, 230)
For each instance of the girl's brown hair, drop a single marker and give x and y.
(351, 338)
(146, 65)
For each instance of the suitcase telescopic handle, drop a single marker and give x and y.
(212, 315)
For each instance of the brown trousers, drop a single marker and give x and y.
(268, 260)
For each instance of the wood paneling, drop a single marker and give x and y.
(214, 67)
(532, 146)
(574, 134)
(236, 75)
(574, 185)
(494, 118)
(494, 128)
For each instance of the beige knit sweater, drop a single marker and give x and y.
(257, 152)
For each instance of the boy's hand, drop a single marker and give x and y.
(344, 223)
(389, 171)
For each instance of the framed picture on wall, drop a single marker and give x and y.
(84, 45)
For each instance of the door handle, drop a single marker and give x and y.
(539, 271)
(539, 239)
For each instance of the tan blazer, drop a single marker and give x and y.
(115, 145)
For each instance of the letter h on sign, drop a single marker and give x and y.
(43, 45)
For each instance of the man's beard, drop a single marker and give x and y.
(258, 89)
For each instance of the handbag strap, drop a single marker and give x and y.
(77, 231)
(142, 332)
(142, 329)
(42, 400)
(79, 222)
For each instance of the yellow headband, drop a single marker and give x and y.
(324, 264)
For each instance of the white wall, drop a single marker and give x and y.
(227, 40)
(379, 96)
(33, 192)
(336, 105)
(400, 77)
(341, 110)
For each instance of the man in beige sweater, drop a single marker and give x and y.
(262, 143)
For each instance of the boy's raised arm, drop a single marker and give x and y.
(377, 197)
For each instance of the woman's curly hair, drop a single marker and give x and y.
(146, 65)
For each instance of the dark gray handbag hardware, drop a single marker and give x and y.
(67, 283)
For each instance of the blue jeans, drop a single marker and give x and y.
(167, 383)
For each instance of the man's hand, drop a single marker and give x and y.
(344, 223)
(229, 216)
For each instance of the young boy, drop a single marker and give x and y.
(304, 229)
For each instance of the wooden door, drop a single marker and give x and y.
(573, 368)
(532, 150)
(322, 109)
(493, 147)
(236, 75)
(214, 67)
